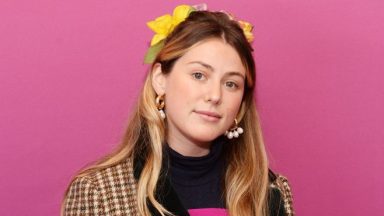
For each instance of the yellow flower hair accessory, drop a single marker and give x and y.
(247, 29)
(246, 26)
(165, 24)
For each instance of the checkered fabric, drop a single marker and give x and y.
(112, 191)
(281, 183)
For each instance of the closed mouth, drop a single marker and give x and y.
(208, 113)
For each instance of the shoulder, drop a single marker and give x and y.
(83, 197)
(118, 175)
(280, 195)
(103, 191)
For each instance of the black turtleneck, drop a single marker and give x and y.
(197, 180)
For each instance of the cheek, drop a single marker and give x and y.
(233, 107)
(178, 94)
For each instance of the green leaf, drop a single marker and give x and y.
(152, 52)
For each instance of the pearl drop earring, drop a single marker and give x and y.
(234, 132)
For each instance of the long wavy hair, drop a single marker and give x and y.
(246, 175)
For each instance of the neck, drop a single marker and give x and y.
(189, 148)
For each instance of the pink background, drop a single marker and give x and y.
(71, 70)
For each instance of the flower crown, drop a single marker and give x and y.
(165, 24)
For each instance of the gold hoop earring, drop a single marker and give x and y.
(234, 132)
(160, 105)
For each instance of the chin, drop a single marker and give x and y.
(205, 138)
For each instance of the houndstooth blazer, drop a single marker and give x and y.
(112, 191)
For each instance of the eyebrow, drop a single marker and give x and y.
(209, 67)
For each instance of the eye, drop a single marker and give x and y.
(231, 85)
(198, 76)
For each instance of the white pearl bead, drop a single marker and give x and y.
(240, 130)
(162, 114)
(230, 135)
(235, 134)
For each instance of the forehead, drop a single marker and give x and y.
(216, 53)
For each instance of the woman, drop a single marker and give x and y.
(193, 145)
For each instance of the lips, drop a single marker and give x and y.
(208, 115)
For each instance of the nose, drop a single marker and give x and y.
(214, 93)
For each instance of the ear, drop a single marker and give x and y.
(158, 79)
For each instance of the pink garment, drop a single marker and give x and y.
(208, 212)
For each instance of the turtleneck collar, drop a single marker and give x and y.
(187, 170)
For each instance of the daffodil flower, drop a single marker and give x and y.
(247, 29)
(165, 24)
(180, 13)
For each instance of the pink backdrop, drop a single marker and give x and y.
(71, 70)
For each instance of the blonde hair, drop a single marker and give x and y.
(246, 176)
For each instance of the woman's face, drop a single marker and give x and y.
(203, 93)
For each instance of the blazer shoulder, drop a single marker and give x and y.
(281, 192)
(111, 176)
(83, 198)
(100, 192)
